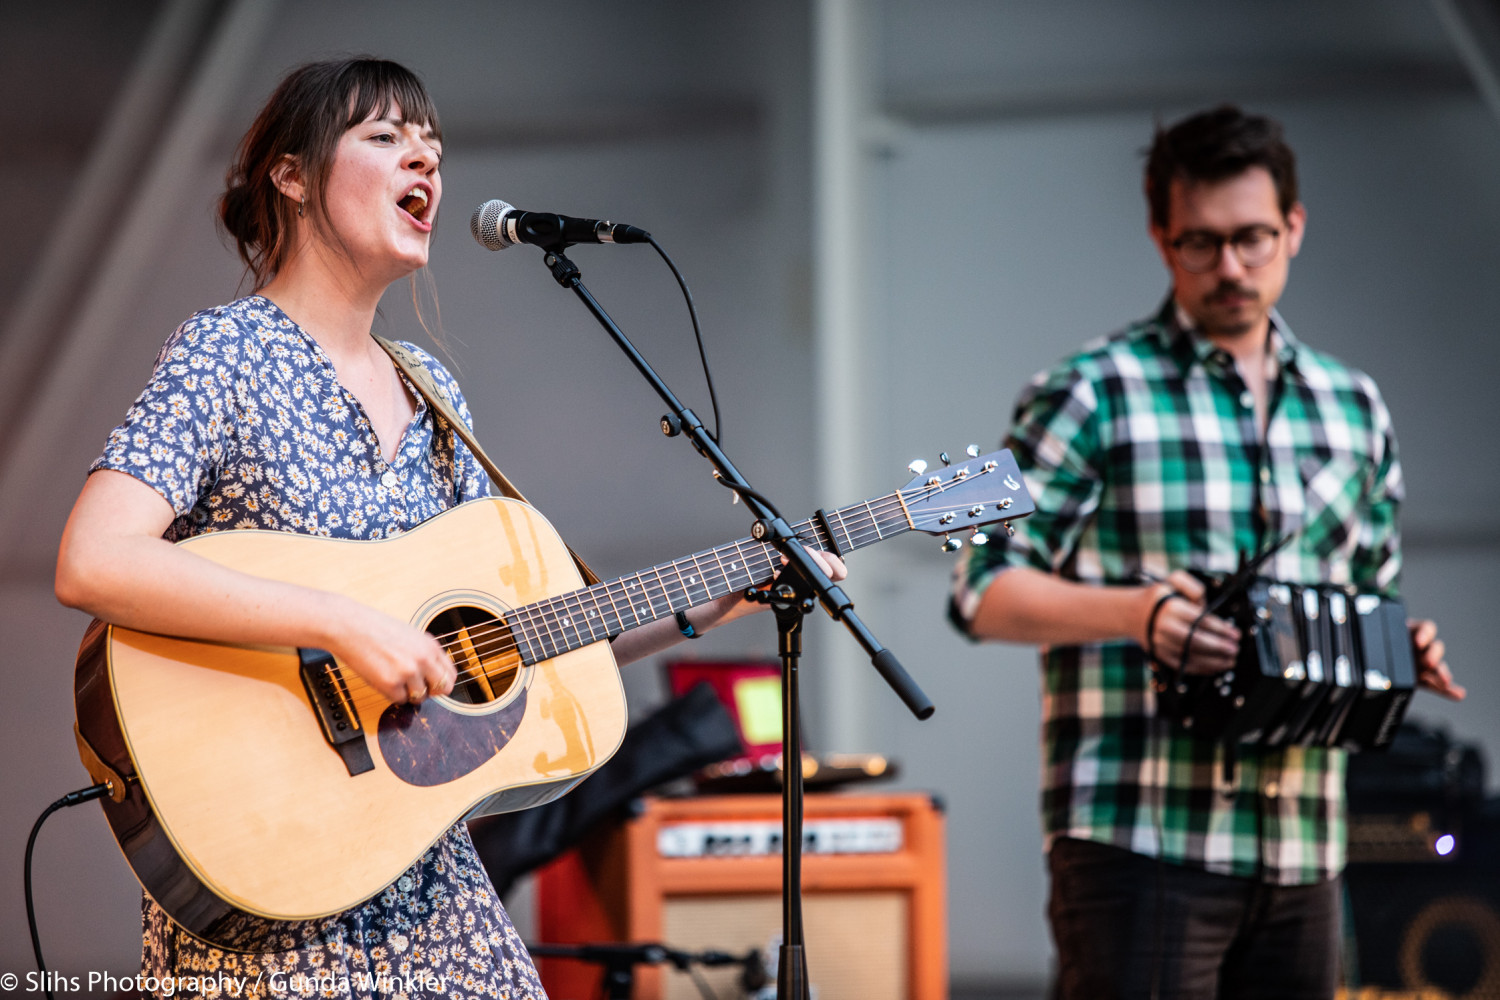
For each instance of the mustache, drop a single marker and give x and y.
(1227, 288)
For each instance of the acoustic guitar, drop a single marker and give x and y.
(255, 786)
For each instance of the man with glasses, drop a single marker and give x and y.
(1206, 431)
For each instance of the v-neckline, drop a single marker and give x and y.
(419, 409)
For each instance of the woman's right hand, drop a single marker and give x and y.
(402, 662)
(1216, 642)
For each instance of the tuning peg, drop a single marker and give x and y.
(978, 538)
(946, 518)
(972, 451)
(976, 510)
(952, 545)
(943, 457)
(1009, 530)
(917, 467)
(1004, 504)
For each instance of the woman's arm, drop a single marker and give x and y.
(114, 564)
(662, 634)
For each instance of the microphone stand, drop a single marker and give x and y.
(791, 596)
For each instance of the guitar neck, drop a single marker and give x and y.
(552, 627)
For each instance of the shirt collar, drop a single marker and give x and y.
(1179, 335)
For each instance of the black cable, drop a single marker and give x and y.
(71, 799)
(741, 488)
(713, 397)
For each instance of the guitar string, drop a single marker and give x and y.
(889, 504)
(494, 638)
(664, 586)
(536, 616)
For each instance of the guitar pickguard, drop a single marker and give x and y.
(430, 744)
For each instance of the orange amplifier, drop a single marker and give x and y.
(704, 873)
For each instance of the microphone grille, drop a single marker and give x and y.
(485, 225)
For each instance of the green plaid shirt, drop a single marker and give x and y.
(1143, 456)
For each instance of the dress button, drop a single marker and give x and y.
(1272, 789)
(389, 480)
(1246, 399)
(1265, 473)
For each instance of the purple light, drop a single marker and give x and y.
(1444, 845)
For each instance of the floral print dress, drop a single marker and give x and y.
(244, 424)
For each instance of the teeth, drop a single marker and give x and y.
(414, 202)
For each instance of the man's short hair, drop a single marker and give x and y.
(1214, 146)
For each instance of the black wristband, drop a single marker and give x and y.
(686, 627)
(1151, 625)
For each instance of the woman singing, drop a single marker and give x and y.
(280, 411)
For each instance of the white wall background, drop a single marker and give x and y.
(1002, 188)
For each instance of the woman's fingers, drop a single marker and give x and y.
(829, 563)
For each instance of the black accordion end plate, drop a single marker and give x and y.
(1317, 666)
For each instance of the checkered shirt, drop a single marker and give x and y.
(1143, 456)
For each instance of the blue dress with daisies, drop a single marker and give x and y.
(244, 424)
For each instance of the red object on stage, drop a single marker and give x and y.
(705, 873)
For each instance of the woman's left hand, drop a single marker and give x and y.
(732, 606)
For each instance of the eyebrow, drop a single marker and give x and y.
(428, 134)
(1206, 231)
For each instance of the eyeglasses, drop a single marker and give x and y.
(1254, 246)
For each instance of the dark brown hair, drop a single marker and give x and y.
(310, 110)
(1214, 146)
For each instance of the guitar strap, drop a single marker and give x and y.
(420, 377)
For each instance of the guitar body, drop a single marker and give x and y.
(239, 815)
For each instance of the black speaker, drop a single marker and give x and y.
(1424, 880)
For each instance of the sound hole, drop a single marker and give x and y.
(483, 650)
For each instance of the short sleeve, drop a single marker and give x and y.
(176, 435)
(1055, 441)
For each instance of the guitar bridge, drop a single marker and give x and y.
(334, 708)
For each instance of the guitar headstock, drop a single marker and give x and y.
(967, 495)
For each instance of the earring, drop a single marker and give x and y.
(301, 206)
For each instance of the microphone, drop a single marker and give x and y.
(497, 225)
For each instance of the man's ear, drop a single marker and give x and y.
(1296, 228)
(1159, 237)
(287, 176)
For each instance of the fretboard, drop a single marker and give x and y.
(552, 627)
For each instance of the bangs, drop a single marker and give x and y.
(372, 87)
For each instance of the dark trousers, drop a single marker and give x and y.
(1126, 926)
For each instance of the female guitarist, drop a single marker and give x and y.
(280, 411)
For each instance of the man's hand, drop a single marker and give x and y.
(1215, 642)
(1427, 650)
